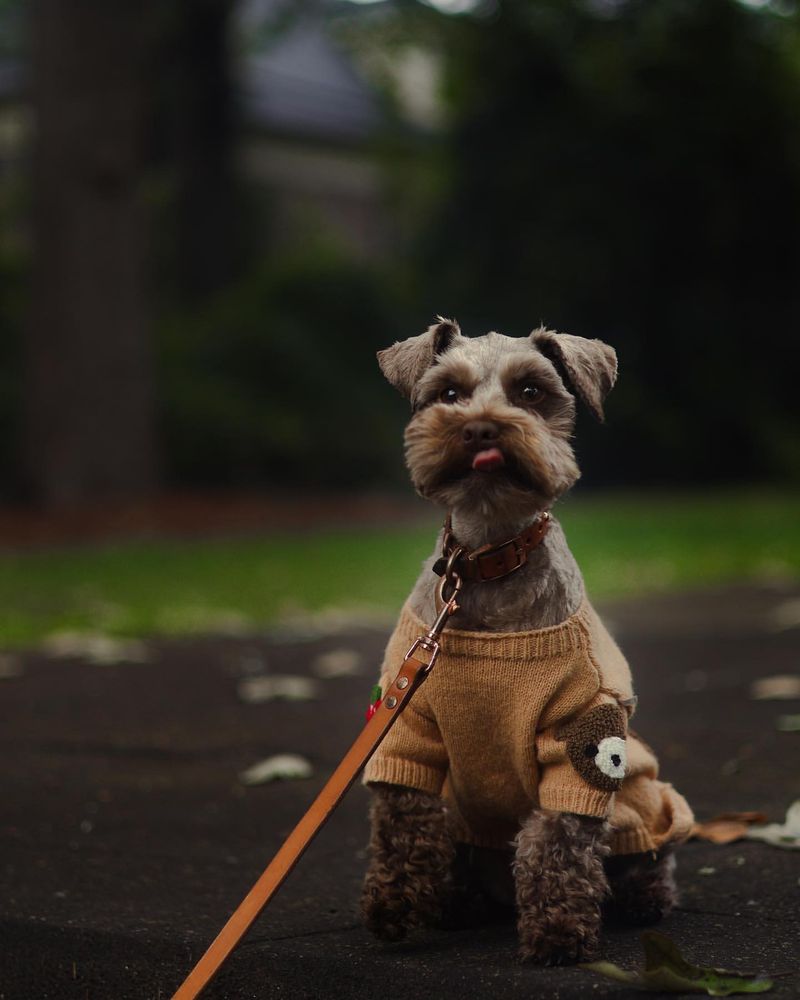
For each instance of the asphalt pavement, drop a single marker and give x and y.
(128, 835)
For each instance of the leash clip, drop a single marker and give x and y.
(449, 605)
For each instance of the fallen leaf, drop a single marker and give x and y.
(666, 970)
(281, 767)
(788, 724)
(786, 834)
(337, 663)
(275, 687)
(727, 827)
(10, 666)
(251, 664)
(707, 870)
(780, 687)
(786, 615)
(96, 647)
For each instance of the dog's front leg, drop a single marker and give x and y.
(560, 885)
(410, 876)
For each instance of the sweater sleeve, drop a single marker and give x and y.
(582, 763)
(412, 753)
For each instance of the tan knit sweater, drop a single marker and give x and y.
(510, 720)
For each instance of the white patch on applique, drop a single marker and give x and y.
(611, 756)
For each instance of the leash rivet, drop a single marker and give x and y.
(391, 701)
(402, 682)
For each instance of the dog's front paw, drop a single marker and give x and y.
(386, 913)
(560, 885)
(558, 937)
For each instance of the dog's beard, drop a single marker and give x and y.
(538, 465)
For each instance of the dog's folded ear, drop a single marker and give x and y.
(590, 366)
(405, 362)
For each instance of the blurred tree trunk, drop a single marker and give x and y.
(89, 430)
(197, 130)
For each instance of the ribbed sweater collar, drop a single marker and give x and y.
(569, 636)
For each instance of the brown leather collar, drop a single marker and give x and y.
(491, 562)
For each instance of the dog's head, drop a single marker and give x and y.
(493, 415)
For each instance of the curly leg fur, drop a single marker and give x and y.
(560, 886)
(643, 889)
(410, 876)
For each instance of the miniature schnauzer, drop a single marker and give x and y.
(512, 774)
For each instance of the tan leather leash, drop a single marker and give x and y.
(412, 673)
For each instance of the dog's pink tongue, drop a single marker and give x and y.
(491, 458)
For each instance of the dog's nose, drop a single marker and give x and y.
(480, 433)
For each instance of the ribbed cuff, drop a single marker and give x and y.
(636, 841)
(584, 801)
(394, 771)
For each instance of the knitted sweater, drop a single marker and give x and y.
(507, 721)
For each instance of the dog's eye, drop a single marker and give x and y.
(529, 392)
(449, 395)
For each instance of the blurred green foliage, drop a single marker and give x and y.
(626, 544)
(631, 171)
(627, 170)
(619, 169)
(275, 378)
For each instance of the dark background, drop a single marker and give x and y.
(214, 213)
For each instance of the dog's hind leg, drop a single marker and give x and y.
(643, 889)
(409, 881)
(560, 886)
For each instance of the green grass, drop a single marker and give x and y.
(625, 544)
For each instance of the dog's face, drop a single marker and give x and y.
(493, 415)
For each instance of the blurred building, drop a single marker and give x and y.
(310, 121)
(308, 125)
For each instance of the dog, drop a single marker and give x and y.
(512, 777)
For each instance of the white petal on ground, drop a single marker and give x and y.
(785, 615)
(10, 666)
(786, 834)
(96, 647)
(281, 767)
(338, 663)
(274, 687)
(780, 687)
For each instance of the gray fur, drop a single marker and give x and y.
(547, 590)
(405, 362)
(591, 365)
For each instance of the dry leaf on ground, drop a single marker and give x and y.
(10, 666)
(727, 827)
(786, 615)
(96, 647)
(780, 687)
(337, 663)
(281, 767)
(277, 687)
(667, 971)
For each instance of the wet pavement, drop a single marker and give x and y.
(127, 836)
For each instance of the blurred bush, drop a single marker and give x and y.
(275, 379)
